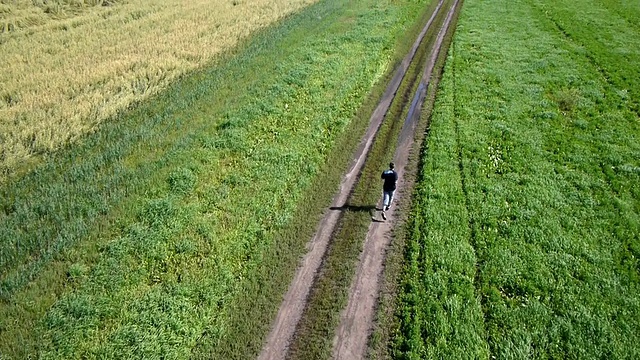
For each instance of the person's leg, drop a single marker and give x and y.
(390, 198)
(385, 199)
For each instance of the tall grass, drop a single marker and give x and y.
(67, 66)
(138, 241)
(532, 250)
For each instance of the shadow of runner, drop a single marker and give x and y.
(371, 209)
(368, 208)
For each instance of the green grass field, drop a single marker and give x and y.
(526, 234)
(149, 238)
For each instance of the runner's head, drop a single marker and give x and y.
(391, 165)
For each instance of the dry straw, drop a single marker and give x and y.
(67, 65)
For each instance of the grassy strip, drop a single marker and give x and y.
(135, 242)
(548, 175)
(329, 295)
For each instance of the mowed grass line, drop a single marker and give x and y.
(438, 311)
(429, 307)
(185, 193)
(402, 264)
(547, 176)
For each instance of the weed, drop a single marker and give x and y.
(182, 181)
(567, 99)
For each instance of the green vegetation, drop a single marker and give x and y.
(155, 235)
(259, 307)
(610, 40)
(526, 231)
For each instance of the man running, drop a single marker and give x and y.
(390, 178)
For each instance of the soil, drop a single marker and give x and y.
(351, 338)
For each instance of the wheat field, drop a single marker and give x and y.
(67, 65)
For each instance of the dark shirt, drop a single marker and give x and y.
(390, 178)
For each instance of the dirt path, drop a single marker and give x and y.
(350, 341)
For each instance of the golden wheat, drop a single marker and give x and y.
(67, 66)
